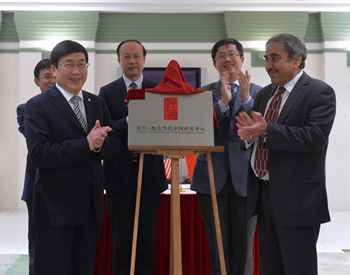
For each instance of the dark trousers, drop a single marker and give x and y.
(233, 221)
(284, 250)
(66, 250)
(121, 212)
(30, 238)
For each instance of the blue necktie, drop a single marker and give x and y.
(133, 85)
(233, 92)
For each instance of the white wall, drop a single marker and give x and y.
(338, 164)
(9, 137)
(17, 86)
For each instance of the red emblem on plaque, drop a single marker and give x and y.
(171, 108)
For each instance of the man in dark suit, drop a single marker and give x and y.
(231, 94)
(66, 142)
(44, 79)
(290, 195)
(121, 171)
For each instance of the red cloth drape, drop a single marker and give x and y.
(103, 259)
(195, 260)
(194, 244)
(173, 82)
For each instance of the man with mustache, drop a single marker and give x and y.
(121, 171)
(289, 132)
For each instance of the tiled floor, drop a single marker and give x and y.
(335, 235)
(334, 239)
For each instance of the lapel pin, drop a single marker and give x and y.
(89, 99)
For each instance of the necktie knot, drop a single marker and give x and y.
(75, 100)
(133, 85)
(233, 88)
(233, 92)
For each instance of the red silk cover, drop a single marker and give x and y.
(173, 82)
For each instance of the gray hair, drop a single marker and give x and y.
(292, 45)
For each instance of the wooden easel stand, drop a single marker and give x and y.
(175, 153)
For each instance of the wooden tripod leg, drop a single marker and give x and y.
(137, 214)
(175, 221)
(216, 214)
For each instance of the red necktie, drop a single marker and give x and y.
(261, 164)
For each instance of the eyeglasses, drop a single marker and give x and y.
(223, 57)
(129, 57)
(47, 78)
(72, 66)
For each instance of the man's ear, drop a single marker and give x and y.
(214, 63)
(297, 61)
(53, 70)
(37, 82)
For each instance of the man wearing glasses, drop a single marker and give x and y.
(121, 171)
(44, 79)
(67, 138)
(231, 94)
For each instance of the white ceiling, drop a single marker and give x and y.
(176, 6)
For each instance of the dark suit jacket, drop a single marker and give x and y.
(118, 169)
(70, 176)
(233, 158)
(29, 177)
(297, 145)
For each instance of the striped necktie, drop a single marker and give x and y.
(233, 92)
(75, 100)
(261, 164)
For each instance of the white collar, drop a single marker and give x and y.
(68, 95)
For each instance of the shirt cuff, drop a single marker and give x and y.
(223, 108)
(246, 103)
